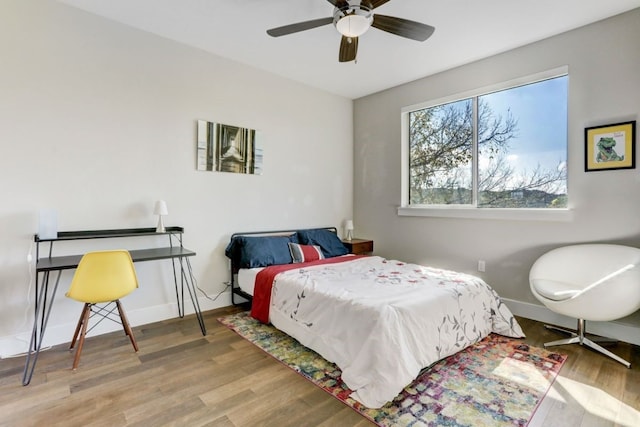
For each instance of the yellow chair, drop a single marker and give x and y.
(102, 277)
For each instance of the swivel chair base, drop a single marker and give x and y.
(578, 337)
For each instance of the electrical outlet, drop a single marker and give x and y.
(481, 266)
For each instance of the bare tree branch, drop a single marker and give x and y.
(441, 141)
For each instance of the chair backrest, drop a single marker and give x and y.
(585, 264)
(103, 276)
(603, 280)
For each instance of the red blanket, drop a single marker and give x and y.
(264, 283)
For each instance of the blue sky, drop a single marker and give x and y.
(541, 111)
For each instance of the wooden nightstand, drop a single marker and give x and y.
(359, 246)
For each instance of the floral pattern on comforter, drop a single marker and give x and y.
(383, 321)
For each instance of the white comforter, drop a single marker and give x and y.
(382, 321)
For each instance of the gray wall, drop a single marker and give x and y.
(604, 87)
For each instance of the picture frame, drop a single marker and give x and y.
(609, 147)
(227, 148)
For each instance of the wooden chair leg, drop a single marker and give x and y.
(75, 334)
(83, 333)
(125, 325)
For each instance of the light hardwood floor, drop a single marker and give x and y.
(182, 378)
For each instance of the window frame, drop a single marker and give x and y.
(474, 211)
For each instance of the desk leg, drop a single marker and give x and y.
(41, 318)
(194, 298)
(179, 299)
(186, 278)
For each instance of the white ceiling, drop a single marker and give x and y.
(465, 31)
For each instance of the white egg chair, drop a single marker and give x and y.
(596, 282)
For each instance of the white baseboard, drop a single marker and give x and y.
(626, 329)
(16, 345)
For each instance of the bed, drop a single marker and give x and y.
(380, 321)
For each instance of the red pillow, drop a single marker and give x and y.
(305, 253)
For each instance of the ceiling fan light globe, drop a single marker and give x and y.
(353, 19)
(353, 25)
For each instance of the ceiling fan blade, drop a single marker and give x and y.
(403, 27)
(299, 26)
(372, 4)
(339, 3)
(348, 49)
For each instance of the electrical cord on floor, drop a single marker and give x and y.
(227, 285)
(27, 308)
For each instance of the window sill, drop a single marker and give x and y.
(561, 215)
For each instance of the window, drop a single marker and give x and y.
(500, 148)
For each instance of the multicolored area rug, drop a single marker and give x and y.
(498, 381)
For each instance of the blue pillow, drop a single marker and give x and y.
(232, 251)
(252, 252)
(328, 241)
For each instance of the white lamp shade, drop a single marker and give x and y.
(161, 208)
(348, 227)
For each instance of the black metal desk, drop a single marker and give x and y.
(44, 296)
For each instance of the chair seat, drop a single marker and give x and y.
(554, 290)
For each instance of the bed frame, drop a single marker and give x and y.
(234, 265)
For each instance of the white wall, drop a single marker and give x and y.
(603, 61)
(97, 121)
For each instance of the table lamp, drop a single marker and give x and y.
(348, 226)
(160, 210)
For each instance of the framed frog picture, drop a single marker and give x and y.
(610, 147)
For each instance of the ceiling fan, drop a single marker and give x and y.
(352, 18)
